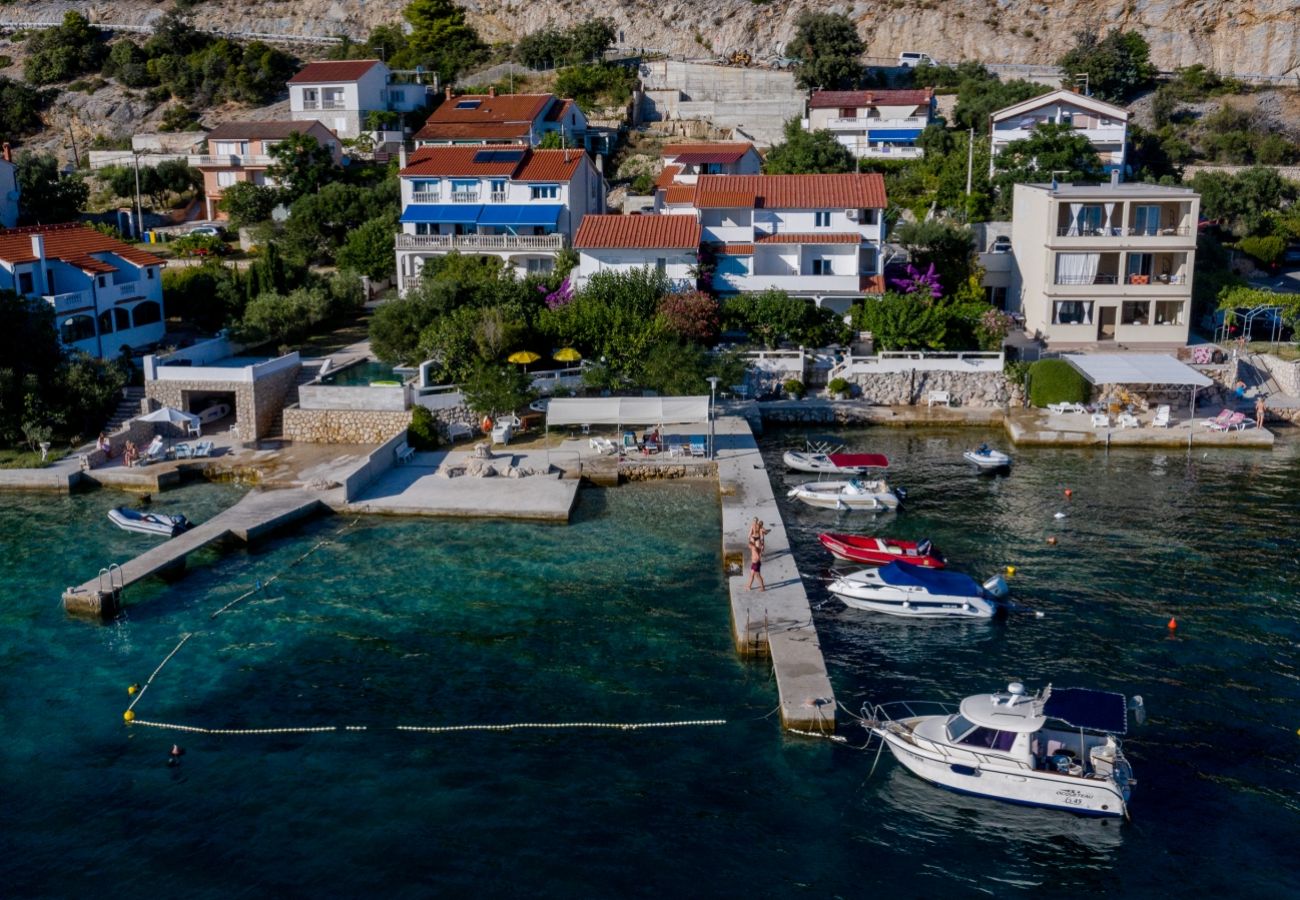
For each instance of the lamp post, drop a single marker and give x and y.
(713, 388)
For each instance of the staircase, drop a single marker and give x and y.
(310, 369)
(127, 408)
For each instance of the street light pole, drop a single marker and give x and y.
(713, 388)
(139, 212)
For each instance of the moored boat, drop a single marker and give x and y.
(851, 494)
(915, 592)
(986, 457)
(881, 551)
(1058, 749)
(834, 463)
(148, 522)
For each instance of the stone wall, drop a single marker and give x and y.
(660, 471)
(176, 395)
(270, 394)
(134, 430)
(973, 389)
(343, 426)
(452, 415)
(1286, 374)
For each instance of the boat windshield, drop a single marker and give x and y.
(957, 727)
(990, 739)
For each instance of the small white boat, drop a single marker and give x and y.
(986, 457)
(212, 413)
(851, 494)
(834, 463)
(898, 589)
(1059, 749)
(147, 522)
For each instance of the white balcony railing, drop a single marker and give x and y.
(498, 197)
(886, 151)
(70, 301)
(125, 290)
(230, 160)
(1075, 231)
(856, 122)
(481, 242)
(464, 196)
(426, 196)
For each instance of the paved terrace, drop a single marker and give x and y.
(777, 621)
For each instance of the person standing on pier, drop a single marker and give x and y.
(756, 545)
(1260, 408)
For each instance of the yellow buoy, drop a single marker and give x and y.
(1011, 570)
(130, 691)
(128, 716)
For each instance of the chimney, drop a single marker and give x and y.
(448, 92)
(5, 152)
(38, 246)
(492, 91)
(401, 155)
(1114, 177)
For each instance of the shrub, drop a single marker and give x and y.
(643, 184)
(422, 433)
(838, 386)
(1267, 250)
(199, 245)
(794, 387)
(1056, 381)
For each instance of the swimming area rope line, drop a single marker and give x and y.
(433, 729)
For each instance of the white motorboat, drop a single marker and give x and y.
(851, 494)
(148, 522)
(899, 589)
(1059, 749)
(213, 413)
(834, 463)
(986, 457)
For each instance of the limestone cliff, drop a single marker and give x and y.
(1238, 36)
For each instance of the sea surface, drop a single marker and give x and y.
(621, 617)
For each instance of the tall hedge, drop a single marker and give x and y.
(1056, 381)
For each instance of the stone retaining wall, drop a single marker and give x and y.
(665, 471)
(975, 389)
(453, 414)
(1286, 374)
(343, 426)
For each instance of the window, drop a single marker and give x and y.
(1135, 312)
(545, 192)
(1169, 312)
(77, 328)
(540, 266)
(49, 281)
(1139, 268)
(822, 266)
(1072, 312)
(232, 148)
(424, 186)
(1067, 118)
(396, 95)
(111, 320)
(822, 219)
(990, 739)
(1146, 220)
(146, 313)
(148, 273)
(661, 265)
(421, 227)
(25, 282)
(498, 189)
(713, 168)
(226, 179)
(868, 216)
(996, 296)
(957, 727)
(100, 280)
(468, 104)
(848, 112)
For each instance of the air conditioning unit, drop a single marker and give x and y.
(852, 214)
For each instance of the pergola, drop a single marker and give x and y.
(1149, 370)
(620, 411)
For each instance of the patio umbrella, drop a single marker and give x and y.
(568, 354)
(172, 416)
(523, 357)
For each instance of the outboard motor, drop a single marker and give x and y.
(997, 587)
(1139, 708)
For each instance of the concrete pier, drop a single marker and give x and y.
(257, 514)
(776, 622)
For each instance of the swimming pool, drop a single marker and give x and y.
(361, 374)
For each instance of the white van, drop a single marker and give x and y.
(910, 58)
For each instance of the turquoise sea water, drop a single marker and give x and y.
(621, 617)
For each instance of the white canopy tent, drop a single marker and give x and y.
(186, 423)
(620, 411)
(1145, 369)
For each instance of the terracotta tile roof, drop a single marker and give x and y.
(860, 191)
(835, 99)
(836, 237)
(344, 70)
(679, 193)
(736, 249)
(488, 131)
(532, 165)
(721, 152)
(872, 284)
(260, 131)
(638, 232)
(73, 244)
(557, 111)
(667, 176)
(502, 115)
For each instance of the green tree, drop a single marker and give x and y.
(827, 51)
(899, 322)
(675, 369)
(301, 165)
(614, 316)
(808, 153)
(596, 84)
(945, 245)
(1052, 150)
(246, 203)
(771, 316)
(981, 95)
(440, 40)
(1118, 65)
(129, 64)
(211, 296)
(64, 52)
(495, 388)
(396, 326)
(1244, 201)
(30, 356)
(20, 107)
(278, 318)
(369, 249)
(47, 196)
(268, 274)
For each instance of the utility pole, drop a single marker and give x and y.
(139, 212)
(970, 159)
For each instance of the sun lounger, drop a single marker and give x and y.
(202, 449)
(1128, 420)
(155, 452)
(603, 445)
(1219, 422)
(675, 445)
(1062, 408)
(1162, 417)
(698, 446)
(1100, 420)
(182, 451)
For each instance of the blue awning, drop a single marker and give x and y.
(521, 215)
(446, 213)
(1086, 708)
(952, 583)
(894, 135)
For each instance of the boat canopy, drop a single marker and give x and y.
(1004, 712)
(1086, 708)
(853, 460)
(952, 584)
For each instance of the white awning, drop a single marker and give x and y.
(1136, 368)
(627, 410)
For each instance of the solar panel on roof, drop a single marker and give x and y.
(498, 156)
(468, 104)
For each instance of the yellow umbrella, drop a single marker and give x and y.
(568, 354)
(523, 357)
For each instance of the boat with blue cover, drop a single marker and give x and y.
(1058, 749)
(906, 590)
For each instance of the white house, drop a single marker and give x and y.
(670, 244)
(241, 151)
(340, 95)
(1104, 264)
(685, 163)
(8, 188)
(494, 118)
(515, 203)
(105, 294)
(1104, 124)
(814, 236)
(873, 124)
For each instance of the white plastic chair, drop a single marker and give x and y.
(1162, 417)
(1100, 420)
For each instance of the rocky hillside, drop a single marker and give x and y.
(1233, 36)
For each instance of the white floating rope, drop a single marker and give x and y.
(166, 660)
(431, 729)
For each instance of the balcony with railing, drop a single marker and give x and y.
(464, 196)
(70, 301)
(124, 290)
(855, 123)
(426, 196)
(229, 160)
(498, 197)
(1115, 274)
(890, 151)
(547, 243)
(313, 105)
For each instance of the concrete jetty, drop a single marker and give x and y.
(776, 622)
(257, 514)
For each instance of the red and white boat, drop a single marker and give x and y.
(834, 463)
(876, 551)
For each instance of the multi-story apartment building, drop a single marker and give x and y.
(341, 94)
(1104, 124)
(493, 118)
(105, 294)
(814, 236)
(516, 203)
(8, 188)
(873, 124)
(668, 244)
(241, 151)
(1109, 263)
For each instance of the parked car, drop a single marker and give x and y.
(1001, 244)
(912, 58)
(1291, 255)
(213, 230)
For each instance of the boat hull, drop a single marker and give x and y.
(866, 590)
(819, 464)
(834, 495)
(157, 524)
(854, 548)
(1082, 796)
(993, 460)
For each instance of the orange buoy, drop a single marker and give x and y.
(1068, 493)
(1173, 623)
(1051, 540)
